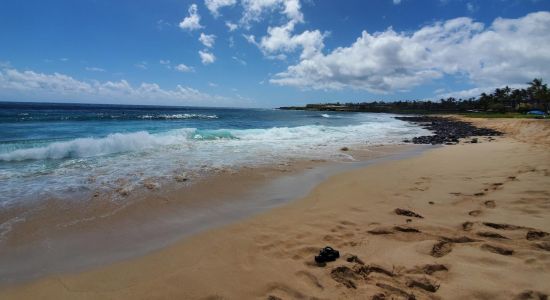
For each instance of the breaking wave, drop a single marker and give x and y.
(261, 139)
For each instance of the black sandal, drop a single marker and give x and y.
(327, 254)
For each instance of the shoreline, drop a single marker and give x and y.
(73, 236)
(457, 190)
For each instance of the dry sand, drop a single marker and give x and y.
(483, 235)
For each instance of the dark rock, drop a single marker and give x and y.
(446, 130)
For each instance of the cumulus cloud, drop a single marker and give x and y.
(281, 39)
(183, 68)
(191, 22)
(254, 9)
(207, 40)
(30, 85)
(207, 57)
(214, 5)
(388, 61)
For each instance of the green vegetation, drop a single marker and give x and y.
(502, 103)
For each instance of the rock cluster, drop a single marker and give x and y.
(446, 130)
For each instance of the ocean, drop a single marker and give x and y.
(65, 150)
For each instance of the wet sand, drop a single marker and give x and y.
(482, 234)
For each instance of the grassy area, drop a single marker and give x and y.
(499, 115)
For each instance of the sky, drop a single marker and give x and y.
(268, 53)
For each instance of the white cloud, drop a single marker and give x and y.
(34, 86)
(388, 61)
(95, 69)
(212, 84)
(191, 22)
(251, 39)
(280, 40)
(471, 7)
(254, 9)
(231, 26)
(183, 68)
(141, 65)
(207, 40)
(30, 85)
(207, 57)
(475, 92)
(396, 2)
(214, 5)
(161, 24)
(164, 62)
(242, 62)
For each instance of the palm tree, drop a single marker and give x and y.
(538, 92)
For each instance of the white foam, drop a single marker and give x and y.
(88, 147)
(179, 116)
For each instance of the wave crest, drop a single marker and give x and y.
(88, 147)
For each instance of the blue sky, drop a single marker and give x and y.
(267, 53)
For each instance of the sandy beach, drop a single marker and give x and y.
(469, 221)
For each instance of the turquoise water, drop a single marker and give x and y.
(53, 150)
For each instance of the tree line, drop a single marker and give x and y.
(535, 96)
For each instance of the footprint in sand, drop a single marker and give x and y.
(543, 246)
(536, 235)
(492, 235)
(380, 231)
(406, 229)
(310, 279)
(490, 204)
(423, 283)
(428, 269)
(395, 291)
(459, 240)
(475, 213)
(534, 295)
(441, 249)
(408, 213)
(467, 226)
(279, 291)
(497, 250)
(502, 226)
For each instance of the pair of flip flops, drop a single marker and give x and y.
(327, 254)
